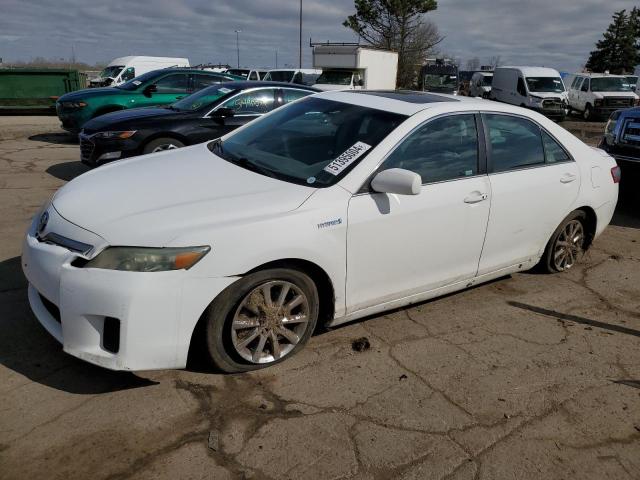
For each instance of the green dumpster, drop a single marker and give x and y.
(37, 88)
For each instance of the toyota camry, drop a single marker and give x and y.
(334, 207)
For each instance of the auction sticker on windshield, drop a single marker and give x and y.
(346, 158)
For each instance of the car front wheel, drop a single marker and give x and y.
(261, 320)
(161, 144)
(567, 244)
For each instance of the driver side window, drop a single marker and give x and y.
(443, 149)
(521, 88)
(176, 83)
(585, 85)
(128, 74)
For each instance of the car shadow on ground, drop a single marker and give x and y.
(57, 138)
(28, 350)
(68, 170)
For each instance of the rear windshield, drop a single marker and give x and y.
(279, 76)
(203, 99)
(312, 142)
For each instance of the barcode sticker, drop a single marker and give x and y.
(346, 158)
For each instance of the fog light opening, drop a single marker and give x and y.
(111, 335)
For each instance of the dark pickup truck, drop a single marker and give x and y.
(622, 135)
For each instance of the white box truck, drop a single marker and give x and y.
(123, 69)
(354, 67)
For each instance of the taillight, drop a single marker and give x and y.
(616, 173)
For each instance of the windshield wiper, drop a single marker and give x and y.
(245, 163)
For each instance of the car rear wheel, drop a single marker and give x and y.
(261, 320)
(161, 144)
(567, 244)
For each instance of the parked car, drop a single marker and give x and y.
(247, 73)
(159, 87)
(301, 76)
(537, 88)
(204, 115)
(480, 85)
(241, 244)
(622, 135)
(597, 95)
(121, 70)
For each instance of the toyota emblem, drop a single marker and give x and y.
(42, 223)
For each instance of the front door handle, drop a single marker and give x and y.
(568, 178)
(475, 197)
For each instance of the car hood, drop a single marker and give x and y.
(153, 199)
(327, 87)
(550, 94)
(88, 93)
(132, 114)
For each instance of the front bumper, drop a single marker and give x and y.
(73, 119)
(156, 312)
(95, 152)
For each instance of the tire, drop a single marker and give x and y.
(587, 115)
(250, 345)
(161, 144)
(573, 226)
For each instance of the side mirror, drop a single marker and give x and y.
(397, 180)
(149, 89)
(360, 83)
(223, 112)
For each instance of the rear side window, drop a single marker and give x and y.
(553, 152)
(202, 81)
(443, 149)
(515, 142)
(289, 95)
(176, 83)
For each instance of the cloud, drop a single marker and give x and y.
(556, 33)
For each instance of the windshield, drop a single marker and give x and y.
(112, 71)
(202, 98)
(435, 81)
(487, 80)
(610, 84)
(279, 76)
(136, 82)
(545, 84)
(311, 142)
(335, 77)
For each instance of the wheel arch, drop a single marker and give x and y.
(591, 223)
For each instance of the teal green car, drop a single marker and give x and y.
(159, 87)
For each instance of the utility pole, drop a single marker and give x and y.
(276, 58)
(238, 45)
(300, 46)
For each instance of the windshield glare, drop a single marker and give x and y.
(112, 71)
(610, 84)
(335, 78)
(202, 99)
(279, 76)
(545, 84)
(311, 142)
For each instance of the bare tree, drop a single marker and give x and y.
(397, 25)
(495, 61)
(473, 64)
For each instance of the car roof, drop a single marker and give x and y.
(406, 102)
(246, 84)
(533, 71)
(599, 75)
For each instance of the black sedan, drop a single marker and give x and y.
(205, 115)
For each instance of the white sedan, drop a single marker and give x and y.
(335, 207)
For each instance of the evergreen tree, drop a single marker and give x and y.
(619, 50)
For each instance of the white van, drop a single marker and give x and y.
(123, 69)
(538, 88)
(597, 95)
(480, 85)
(301, 76)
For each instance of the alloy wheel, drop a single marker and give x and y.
(270, 321)
(166, 146)
(569, 245)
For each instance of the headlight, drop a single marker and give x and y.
(535, 99)
(142, 259)
(110, 135)
(73, 104)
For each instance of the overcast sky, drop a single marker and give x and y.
(554, 33)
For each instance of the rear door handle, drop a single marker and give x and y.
(568, 178)
(475, 197)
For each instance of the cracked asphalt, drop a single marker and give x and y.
(531, 376)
